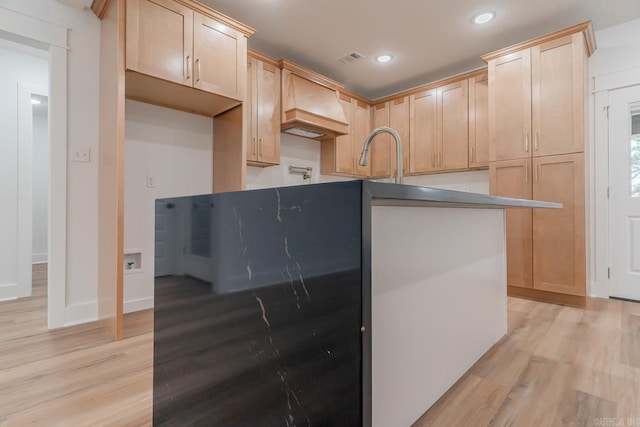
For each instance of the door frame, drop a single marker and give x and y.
(51, 38)
(25, 186)
(599, 176)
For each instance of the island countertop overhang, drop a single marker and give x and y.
(387, 194)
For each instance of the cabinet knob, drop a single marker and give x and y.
(363, 329)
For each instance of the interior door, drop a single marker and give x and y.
(624, 182)
(16, 194)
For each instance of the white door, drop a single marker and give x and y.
(16, 194)
(624, 183)
(165, 233)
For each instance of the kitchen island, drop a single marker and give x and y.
(351, 303)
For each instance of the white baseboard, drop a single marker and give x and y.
(88, 311)
(39, 258)
(81, 313)
(138, 304)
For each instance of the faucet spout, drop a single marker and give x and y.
(396, 137)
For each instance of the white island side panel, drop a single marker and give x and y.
(438, 303)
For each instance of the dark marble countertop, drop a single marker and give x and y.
(387, 194)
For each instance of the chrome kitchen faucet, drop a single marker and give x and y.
(394, 134)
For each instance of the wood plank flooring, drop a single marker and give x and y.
(558, 366)
(73, 376)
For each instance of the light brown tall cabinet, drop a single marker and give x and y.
(537, 122)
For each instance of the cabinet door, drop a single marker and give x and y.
(399, 121)
(479, 121)
(558, 234)
(360, 129)
(512, 178)
(423, 132)
(510, 106)
(160, 39)
(268, 112)
(380, 146)
(343, 148)
(557, 96)
(250, 116)
(220, 55)
(453, 126)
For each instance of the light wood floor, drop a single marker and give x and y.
(558, 366)
(74, 376)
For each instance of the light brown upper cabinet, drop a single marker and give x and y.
(440, 128)
(219, 55)
(479, 121)
(423, 142)
(340, 156)
(380, 146)
(262, 110)
(536, 96)
(160, 39)
(189, 45)
(399, 120)
(453, 126)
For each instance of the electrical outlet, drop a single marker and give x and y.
(81, 155)
(151, 181)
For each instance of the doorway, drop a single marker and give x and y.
(24, 163)
(624, 183)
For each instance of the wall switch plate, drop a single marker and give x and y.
(82, 154)
(151, 181)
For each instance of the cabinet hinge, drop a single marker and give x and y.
(608, 193)
(606, 108)
(608, 273)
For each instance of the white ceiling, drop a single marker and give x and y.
(429, 39)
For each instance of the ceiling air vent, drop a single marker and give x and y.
(351, 57)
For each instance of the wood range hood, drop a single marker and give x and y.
(311, 104)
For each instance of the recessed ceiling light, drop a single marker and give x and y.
(384, 58)
(35, 101)
(483, 18)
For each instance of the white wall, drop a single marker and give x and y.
(82, 178)
(305, 152)
(176, 149)
(19, 65)
(295, 151)
(615, 63)
(471, 181)
(40, 174)
(618, 49)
